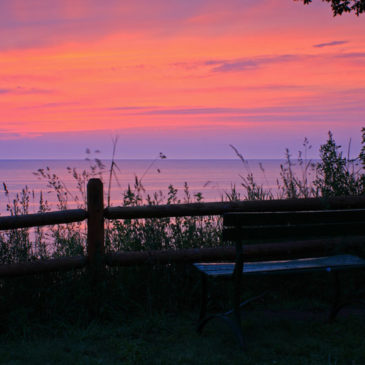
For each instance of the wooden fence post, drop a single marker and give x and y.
(95, 242)
(95, 223)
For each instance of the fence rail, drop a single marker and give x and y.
(43, 219)
(218, 208)
(96, 214)
(43, 266)
(254, 252)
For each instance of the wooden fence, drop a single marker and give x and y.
(96, 259)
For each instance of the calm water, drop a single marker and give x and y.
(210, 177)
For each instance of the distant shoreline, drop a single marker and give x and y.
(150, 159)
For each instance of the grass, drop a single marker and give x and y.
(138, 325)
(333, 175)
(171, 339)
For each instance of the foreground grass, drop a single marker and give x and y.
(287, 327)
(171, 339)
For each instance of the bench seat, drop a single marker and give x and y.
(328, 263)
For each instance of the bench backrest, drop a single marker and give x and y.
(254, 227)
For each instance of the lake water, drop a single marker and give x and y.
(212, 178)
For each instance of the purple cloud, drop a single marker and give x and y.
(51, 105)
(351, 101)
(231, 66)
(6, 135)
(193, 111)
(25, 91)
(128, 108)
(328, 44)
(243, 64)
(351, 55)
(223, 110)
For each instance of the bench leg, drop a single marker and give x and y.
(237, 277)
(204, 297)
(339, 302)
(336, 307)
(232, 323)
(235, 322)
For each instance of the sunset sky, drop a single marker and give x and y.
(186, 78)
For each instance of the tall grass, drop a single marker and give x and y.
(334, 174)
(169, 286)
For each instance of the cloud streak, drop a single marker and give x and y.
(253, 63)
(351, 55)
(305, 108)
(245, 64)
(329, 44)
(19, 90)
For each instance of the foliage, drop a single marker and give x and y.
(161, 233)
(336, 175)
(333, 175)
(252, 189)
(344, 6)
(292, 186)
(362, 159)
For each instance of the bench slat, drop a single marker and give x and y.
(328, 263)
(272, 232)
(300, 217)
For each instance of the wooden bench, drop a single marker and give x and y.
(341, 226)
